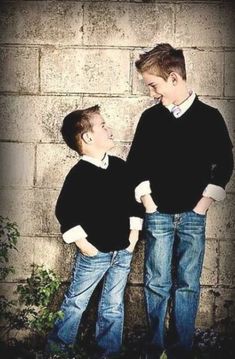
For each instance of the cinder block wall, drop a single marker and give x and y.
(57, 56)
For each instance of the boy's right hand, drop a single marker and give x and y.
(86, 247)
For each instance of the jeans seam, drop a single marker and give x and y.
(99, 320)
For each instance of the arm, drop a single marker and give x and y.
(86, 247)
(68, 213)
(222, 164)
(137, 162)
(133, 239)
(148, 203)
(137, 159)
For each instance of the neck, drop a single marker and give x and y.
(98, 155)
(183, 96)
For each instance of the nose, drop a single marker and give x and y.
(110, 133)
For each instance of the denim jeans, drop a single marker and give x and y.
(178, 237)
(88, 271)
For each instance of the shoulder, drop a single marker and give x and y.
(208, 115)
(152, 117)
(116, 161)
(202, 106)
(153, 111)
(77, 171)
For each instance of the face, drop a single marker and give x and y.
(101, 134)
(161, 90)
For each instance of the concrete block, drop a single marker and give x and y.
(21, 259)
(41, 22)
(205, 311)
(220, 220)
(229, 26)
(121, 114)
(127, 24)
(16, 65)
(225, 309)
(44, 206)
(17, 164)
(85, 70)
(199, 25)
(201, 67)
(135, 315)
(229, 73)
(8, 290)
(138, 85)
(136, 275)
(226, 263)
(55, 255)
(231, 185)
(34, 118)
(32, 210)
(210, 267)
(17, 205)
(53, 163)
(120, 150)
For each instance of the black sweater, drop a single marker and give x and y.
(101, 201)
(180, 156)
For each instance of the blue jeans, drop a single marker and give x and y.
(180, 237)
(88, 272)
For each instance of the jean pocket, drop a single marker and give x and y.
(86, 256)
(199, 214)
(151, 213)
(128, 252)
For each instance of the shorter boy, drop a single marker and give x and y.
(93, 209)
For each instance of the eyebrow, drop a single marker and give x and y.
(152, 83)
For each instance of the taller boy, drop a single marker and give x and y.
(181, 159)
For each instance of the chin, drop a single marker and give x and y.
(166, 102)
(111, 145)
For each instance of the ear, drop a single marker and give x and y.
(87, 137)
(174, 78)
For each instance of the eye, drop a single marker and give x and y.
(154, 87)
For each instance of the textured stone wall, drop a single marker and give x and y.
(57, 56)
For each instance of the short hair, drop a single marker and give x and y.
(161, 61)
(75, 124)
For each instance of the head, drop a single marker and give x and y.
(163, 71)
(86, 132)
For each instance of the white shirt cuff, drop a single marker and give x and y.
(215, 192)
(142, 189)
(74, 234)
(136, 223)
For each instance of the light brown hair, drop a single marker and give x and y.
(161, 61)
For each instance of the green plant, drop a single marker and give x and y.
(34, 307)
(37, 295)
(9, 235)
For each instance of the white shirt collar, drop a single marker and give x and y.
(99, 163)
(179, 110)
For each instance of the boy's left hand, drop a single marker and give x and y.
(133, 238)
